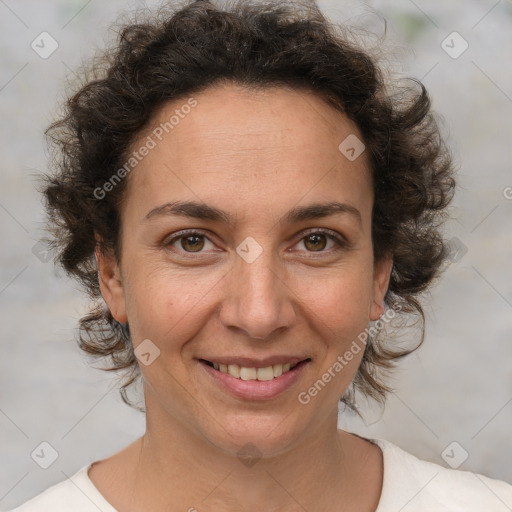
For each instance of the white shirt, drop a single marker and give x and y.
(409, 485)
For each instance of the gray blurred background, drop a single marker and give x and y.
(457, 388)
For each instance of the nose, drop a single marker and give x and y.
(258, 299)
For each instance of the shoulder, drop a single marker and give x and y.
(76, 493)
(414, 484)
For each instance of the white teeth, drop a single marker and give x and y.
(262, 374)
(248, 373)
(234, 370)
(266, 373)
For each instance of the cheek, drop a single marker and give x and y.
(340, 300)
(340, 309)
(166, 304)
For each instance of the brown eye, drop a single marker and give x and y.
(192, 243)
(318, 241)
(188, 242)
(315, 241)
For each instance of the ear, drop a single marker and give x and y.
(381, 276)
(111, 284)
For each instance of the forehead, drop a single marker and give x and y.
(229, 141)
(262, 119)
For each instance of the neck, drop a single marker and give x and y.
(327, 469)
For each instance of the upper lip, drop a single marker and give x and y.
(255, 363)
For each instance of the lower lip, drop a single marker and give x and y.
(255, 389)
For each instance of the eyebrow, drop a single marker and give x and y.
(204, 211)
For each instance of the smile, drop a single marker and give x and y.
(250, 373)
(251, 383)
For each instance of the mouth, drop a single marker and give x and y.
(266, 373)
(254, 383)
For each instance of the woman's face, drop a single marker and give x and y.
(264, 280)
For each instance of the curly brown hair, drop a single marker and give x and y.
(185, 49)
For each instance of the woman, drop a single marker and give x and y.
(251, 205)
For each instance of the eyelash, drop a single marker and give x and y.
(341, 242)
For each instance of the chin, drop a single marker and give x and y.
(265, 436)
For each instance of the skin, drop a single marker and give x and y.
(255, 154)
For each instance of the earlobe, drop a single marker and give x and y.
(111, 284)
(382, 274)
